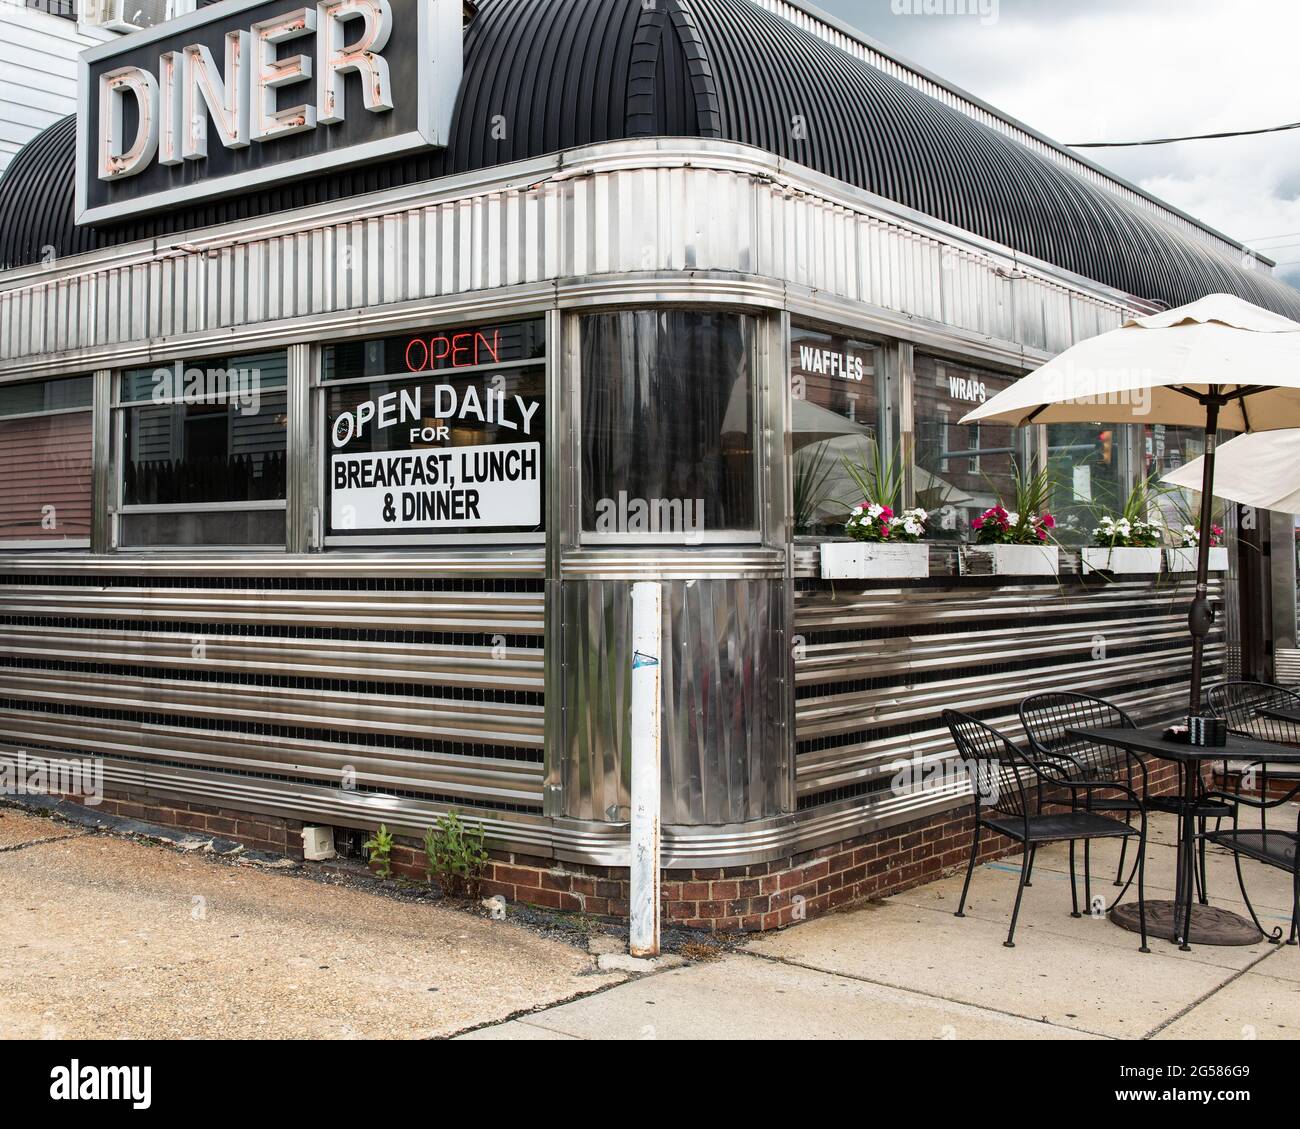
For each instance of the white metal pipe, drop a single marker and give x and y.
(647, 620)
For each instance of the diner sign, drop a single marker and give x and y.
(246, 93)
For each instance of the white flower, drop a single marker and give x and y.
(875, 511)
(1013, 519)
(857, 511)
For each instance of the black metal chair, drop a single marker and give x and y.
(1239, 704)
(1280, 849)
(1047, 720)
(999, 773)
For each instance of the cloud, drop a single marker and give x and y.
(1116, 70)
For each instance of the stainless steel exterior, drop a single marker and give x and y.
(495, 679)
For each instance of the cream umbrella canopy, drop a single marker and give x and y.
(1218, 363)
(1260, 470)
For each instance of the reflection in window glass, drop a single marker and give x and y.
(1087, 474)
(961, 470)
(835, 419)
(45, 462)
(668, 423)
(204, 432)
(1166, 450)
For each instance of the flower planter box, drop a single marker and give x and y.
(1020, 560)
(1184, 560)
(864, 560)
(1122, 561)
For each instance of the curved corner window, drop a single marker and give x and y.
(668, 426)
(202, 452)
(45, 463)
(835, 425)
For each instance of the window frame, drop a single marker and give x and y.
(73, 544)
(319, 388)
(117, 489)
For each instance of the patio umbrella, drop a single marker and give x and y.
(1260, 470)
(1216, 363)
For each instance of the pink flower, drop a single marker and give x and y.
(886, 512)
(978, 523)
(1049, 521)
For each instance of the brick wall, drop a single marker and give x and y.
(751, 898)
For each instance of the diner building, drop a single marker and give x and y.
(357, 359)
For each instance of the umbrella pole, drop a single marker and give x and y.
(1201, 618)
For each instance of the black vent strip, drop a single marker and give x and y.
(912, 630)
(476, 639)
(845, 792)
(907, 679)
(366, 739)
(221, 680)
(889, 732)
(381, 584)
(444, 799)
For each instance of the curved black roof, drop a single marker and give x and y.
(568, 73)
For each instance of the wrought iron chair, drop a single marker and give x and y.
(1239, 704)
(1047, 719)
(1280, 849)
(1000, 773)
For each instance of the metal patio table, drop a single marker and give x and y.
(1209, 925)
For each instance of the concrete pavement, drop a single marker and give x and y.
(102, 936)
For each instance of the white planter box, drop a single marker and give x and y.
(1121, 561)
(1184, 560)
(862, 560)
(1020, 560)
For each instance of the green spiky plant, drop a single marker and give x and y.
(879, 478)
(1031, 495)
(812, 472)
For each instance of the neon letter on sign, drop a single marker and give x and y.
(337, 60)
(225, 99)
(115, 160)
(271, 72)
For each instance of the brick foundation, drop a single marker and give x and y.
(739, 899)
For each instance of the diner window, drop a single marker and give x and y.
(436, 434)
(45, 463)
(203, 453)
(1166, 450)
(668, 426)
(1089, 477)
(961, 469)
(835, 424)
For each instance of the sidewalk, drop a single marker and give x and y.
(102, 936)
(908, 969)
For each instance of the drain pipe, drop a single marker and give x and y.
(643, 911)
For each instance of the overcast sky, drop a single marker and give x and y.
(1119, 70)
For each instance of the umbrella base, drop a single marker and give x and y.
(1210, 925)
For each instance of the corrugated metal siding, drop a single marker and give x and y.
(874, 666)
(552, 75)
(425, 686)
(683, 215)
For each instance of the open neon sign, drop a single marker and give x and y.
(455, 350)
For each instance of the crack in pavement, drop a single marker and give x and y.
(42, 842)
